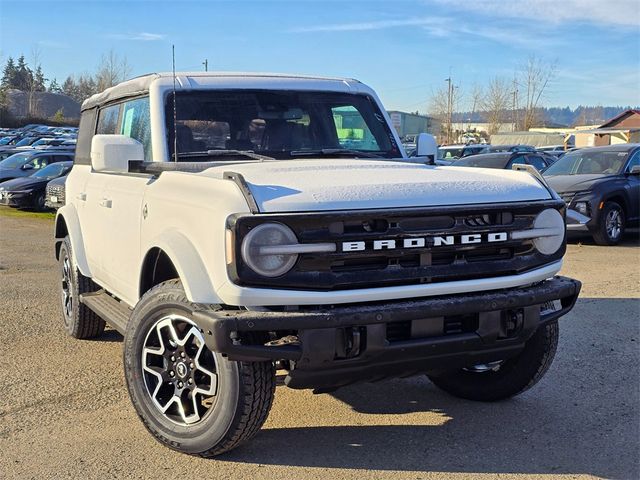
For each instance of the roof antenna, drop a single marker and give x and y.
(175, 116)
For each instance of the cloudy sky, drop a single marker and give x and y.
(404, 49)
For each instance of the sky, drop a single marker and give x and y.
(403, 49)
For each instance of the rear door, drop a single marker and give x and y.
(633, 187)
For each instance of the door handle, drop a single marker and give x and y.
(81, 196)
(105, 202)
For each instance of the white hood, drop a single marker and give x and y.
(347, 184)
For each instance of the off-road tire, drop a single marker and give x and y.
(245, 389)
(601, 235)
(512, 377)
(80, 322)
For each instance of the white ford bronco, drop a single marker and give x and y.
(235, 225)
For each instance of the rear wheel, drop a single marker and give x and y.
(189, 398)
(612, 225)
(79, 321)
(503, 379)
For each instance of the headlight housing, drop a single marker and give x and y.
(258, 252)
(582, 207)
(552, 227)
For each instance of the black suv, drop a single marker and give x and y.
(504, 160)
(601, 187)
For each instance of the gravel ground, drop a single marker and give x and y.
(64, 410)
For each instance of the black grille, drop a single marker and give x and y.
(401, 266)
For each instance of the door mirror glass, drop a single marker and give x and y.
(112, 153)
(27, 166)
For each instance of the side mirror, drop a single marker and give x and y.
(635, 170)
(426, 146)
(27, 166)
(112, 153)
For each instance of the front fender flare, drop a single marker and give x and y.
(188, 264)
(69, 215)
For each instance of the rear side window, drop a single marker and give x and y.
(537, 162)
(108, 120)
(85, 134)
(136, 123)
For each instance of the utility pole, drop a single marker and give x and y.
(206, 65)
(514, 115)
(449, 105)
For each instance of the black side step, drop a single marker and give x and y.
(112, 311)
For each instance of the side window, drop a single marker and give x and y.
(635, 160)
(537, 162)
(518, 159)
(352, 130)
(136, 123)
(108, 120)
(85, 134)
(40, 161)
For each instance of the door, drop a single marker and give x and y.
(633, 188)
(92, 203)
(123, 209)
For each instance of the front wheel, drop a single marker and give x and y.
(189, 398)
(504, 379)
(612, 224)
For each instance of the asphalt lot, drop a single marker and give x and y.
(65, 413)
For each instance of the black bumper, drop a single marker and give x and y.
(331, 347)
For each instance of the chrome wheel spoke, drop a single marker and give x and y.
(179, 371)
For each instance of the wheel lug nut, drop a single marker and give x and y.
(173, 359)
(191, 365)
(182, 354)
(180, 384)
(171, 374)
(190, 381)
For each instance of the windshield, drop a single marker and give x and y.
(277, 123)
(15, 161)
(25, 142)
(588, 163)
(54, 170)
(449, 153)
(5, 140)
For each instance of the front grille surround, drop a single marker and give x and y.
(369, 269)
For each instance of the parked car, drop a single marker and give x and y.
(54, 194)
(551, 149)
(503, 160)
(7, 153)
(449, 153)
(601, 187)
(24, 164)
(474, 149)
(30, 191)
(510, 148)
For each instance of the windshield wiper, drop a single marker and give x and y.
(224, 153)
(333, 151)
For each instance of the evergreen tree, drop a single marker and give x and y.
(70, 88)
(54, 87)
(39, 81)
(9, 75)
(24, 75)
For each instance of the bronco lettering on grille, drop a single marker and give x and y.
(425, 242)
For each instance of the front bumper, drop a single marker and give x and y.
(332, 347)
(16, 199)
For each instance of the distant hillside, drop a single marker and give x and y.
(582, 115)
(45, 104)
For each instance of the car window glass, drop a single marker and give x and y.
(352, 130)
(136, 123)
(40, 161)
(537, 162)
(635, 160)
(518, 159)
(108, 120)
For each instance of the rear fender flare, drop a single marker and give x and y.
(69, 216)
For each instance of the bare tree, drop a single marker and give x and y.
(496, 103)
(112, 70)
(34, 83)
(534, 80)
(442, 105)
(476, 99)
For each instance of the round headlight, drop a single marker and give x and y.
(551, 220)
(263, 261)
